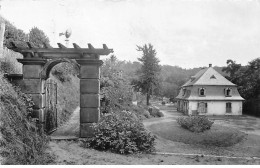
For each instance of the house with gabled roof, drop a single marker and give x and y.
(209, 93)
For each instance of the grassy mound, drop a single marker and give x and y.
(21, 142)
(217, 136)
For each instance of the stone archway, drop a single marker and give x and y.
(37, 64)
(45, 73)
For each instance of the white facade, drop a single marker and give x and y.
(209, 93)
(216, 108)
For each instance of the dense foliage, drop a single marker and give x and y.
(148, 75)
(170, 77)
(195, 123)
(246, 77)
(115, 89)
(12, 34)
(38, 38)
(121, 133)
(21, 142)
(248, 80)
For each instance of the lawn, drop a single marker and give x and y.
(71, 152)
(217, 136)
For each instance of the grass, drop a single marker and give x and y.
(21, 142)
(71, 152)
(217, 136)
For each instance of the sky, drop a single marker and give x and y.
(185, 33)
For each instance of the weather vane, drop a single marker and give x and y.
(67, 34)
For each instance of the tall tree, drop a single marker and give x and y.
(12, 34)
(149, 72)
(246, 77)
(37, 37)
(232, 68)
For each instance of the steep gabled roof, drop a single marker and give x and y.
(208, 76)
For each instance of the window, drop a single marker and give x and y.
(184, 91)
(202, 107)
(228, 92)
(212, 77)
(228, 107)
(202, 92)
(192, 78)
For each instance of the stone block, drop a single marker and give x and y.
(86, 130)
(89, 86)
(31, 71)
(39, 100)
(89, 71)
(89, 100)
(39, 113)
(32, 86)
(89, 115)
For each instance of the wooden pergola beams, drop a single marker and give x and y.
(62, 52)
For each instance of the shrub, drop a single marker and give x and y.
(121, 133)
(195, 123)
(155, 112)
(147, 114)
(140, 111)
(160, 114)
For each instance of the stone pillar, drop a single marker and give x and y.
(33, 85)
(89, 95)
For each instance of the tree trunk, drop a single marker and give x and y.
(147, 99)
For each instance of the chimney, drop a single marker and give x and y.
(210, 65)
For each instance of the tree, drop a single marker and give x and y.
(12, 34)
(148, 74)
(114, 88)
(246, 77)
(37, 38)
(231, 68)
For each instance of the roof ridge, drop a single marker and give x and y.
(203, 77)
(196, 77)
(216, 73)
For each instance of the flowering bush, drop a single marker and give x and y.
(195, 123)
(121, 133)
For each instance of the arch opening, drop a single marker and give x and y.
(62, 73)
(45, 73)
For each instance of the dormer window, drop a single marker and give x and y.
(213, 77)
(202, 92)
(184, 91)
(228, 92)
(192, 78)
